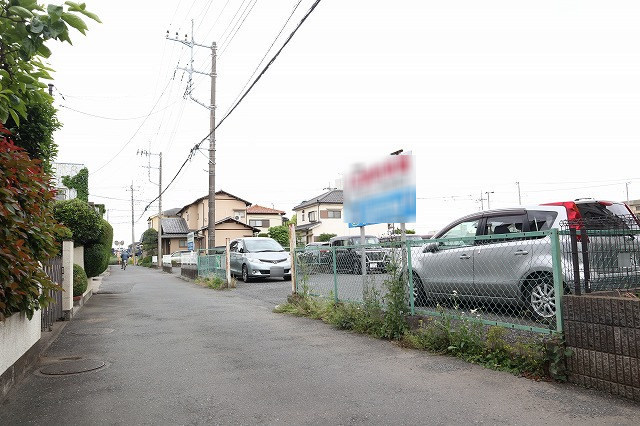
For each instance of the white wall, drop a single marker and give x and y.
(78, 256)
(17, 335)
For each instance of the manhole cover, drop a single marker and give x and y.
(71, 367)
(93, 331)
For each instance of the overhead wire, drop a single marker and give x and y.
(136, 132)
(196, 147)
(268, 50)
(114, 118)
(225, 45)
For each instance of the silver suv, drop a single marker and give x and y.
(255, 257)
(498, 269)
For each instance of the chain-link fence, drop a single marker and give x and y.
(212, 265)
(509, 279)
(602, 253)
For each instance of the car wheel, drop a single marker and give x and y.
(357, 268)
(245, 274)
(287, 277)
(419, 295)
(540, 295)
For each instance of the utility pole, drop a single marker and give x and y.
(148, 154)
(519, 199)
(481, 199)
(626, 184)
(133, 236)
(211, 225)
(488, 199)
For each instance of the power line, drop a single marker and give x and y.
(196, 147)
(116, 118)
(225, 46)
(137, 130)
(264, 70)
(269, 49)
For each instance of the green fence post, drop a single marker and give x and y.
(412, 302)
(556, 260)
(335, 274)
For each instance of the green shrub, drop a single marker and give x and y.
(94, 259)
(82, 219)
(27, 231)
(113, 260)
(326, 237)
(146, 262)
(79, 281)
(263, 234)
(149, 241)
(280, 234)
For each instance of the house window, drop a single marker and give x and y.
(257, 223)
(334, 214)
(312, 216)
(182, 243)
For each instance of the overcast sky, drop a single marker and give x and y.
(484, 93)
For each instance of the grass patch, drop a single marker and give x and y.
(464, 338)
(214, 282)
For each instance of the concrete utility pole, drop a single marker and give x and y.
(626, 184)
(148, 154)
(488, 199)
(211, 225)
(133, 235)
(519, 198)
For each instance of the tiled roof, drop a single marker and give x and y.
(262, 210)
(174, 225)
(307, 226)
(331, 197)
(217, 197)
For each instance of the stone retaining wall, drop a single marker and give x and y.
(603, 331)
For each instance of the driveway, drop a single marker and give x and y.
(178, 353)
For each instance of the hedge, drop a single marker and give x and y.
(79, 281)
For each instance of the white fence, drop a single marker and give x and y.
(166, 259)
(190, 258)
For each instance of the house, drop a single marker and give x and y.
(230, 216)
(152, 220)
(263, 217)
(174, 234)
(61, 170)
(323, 214)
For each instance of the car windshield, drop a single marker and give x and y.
(257, 246)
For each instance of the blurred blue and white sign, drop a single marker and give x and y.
(383, 192)
(190, 238)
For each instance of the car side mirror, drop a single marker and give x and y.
(431, 248)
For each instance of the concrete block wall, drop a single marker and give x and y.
(603, 331)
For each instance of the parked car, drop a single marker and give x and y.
(317, 256)
(349, 254)
(500, 269)
(259, 257)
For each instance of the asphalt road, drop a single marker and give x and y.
(178, 353)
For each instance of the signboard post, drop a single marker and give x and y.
(190, 238)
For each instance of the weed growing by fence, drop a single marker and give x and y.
(213, 282)
(457, 335)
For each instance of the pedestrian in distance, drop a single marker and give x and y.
(125, 259)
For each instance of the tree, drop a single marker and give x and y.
(280, 234)
(27, 231)
(25, 27)
(325, 237)
(79, 182)
(149, 241)
(35, 134)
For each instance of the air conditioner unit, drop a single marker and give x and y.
(237, 217)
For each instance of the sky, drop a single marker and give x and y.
(484, 94)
